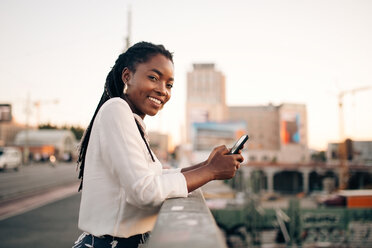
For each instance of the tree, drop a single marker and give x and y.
(47, 126)
(76, 130)
(319, 156)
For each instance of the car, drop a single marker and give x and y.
(10, 158)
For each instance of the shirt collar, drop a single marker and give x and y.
(140, 121)
(142, 125)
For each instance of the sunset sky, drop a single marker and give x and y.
(270, 52)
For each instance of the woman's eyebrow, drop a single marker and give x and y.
(157, 71)
(161, 74)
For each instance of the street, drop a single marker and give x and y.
(39, 206)
(53, 225)
(34, 178)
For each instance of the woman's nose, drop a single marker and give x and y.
(162, 89)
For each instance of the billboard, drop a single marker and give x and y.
(199, 115)
(290, 128)
(5, 112)
(207, 135)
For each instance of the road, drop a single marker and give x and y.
(35, 178)
(53, 225)
(39, 206)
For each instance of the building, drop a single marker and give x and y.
(362, 152)
(277, 133)
(46, 142)
(8, 126)
(356, 152)
(206, 100)
(159, 145)
(8, 132)
(262, 124)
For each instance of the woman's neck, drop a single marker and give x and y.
(132, 107)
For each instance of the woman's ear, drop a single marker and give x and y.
(125, 75)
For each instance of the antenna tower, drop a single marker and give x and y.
(129, 30)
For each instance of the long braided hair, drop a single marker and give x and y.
(138, 53)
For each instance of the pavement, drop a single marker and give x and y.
(52, 225)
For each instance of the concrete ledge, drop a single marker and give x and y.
(186, 222)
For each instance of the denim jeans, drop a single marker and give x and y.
(87, 240)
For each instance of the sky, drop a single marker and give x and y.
(270, 51)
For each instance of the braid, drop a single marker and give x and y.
(139, 53)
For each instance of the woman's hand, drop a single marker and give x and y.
(222, 164)
(219, 165)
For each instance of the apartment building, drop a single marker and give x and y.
(277, 133)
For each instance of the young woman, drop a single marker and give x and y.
(124, 183)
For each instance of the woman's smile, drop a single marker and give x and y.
(156, 101)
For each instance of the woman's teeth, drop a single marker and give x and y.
(155, 100)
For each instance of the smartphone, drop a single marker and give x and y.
(239, 144)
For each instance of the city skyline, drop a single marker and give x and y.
(270, 52)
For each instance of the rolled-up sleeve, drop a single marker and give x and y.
(126, 156)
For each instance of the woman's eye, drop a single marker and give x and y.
(153, 78)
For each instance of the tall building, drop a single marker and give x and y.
(277, 133)
(206, 99)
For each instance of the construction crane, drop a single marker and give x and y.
(345, 144)
(37, 105)
(340, 106)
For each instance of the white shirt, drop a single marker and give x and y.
(122, 187)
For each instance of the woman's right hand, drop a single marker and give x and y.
(219, 165)
(222, 164)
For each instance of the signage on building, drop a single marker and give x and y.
(290, 128)
(198, 115)
(207, 135)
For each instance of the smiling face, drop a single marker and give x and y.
(149, 87)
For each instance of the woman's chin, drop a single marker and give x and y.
(152, 113)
